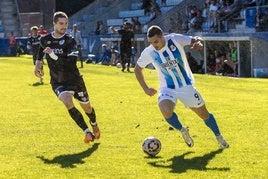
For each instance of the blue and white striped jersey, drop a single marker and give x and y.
(170, 62)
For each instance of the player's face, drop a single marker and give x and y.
(61, 26)
(157, 41)
(34, 32)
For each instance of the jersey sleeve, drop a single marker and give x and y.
(182, 39)
(41, 48)
(145, 58)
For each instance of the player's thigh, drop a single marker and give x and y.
(166, 107)
(190, 97)
(80, 91)
(64, 94)
(166, 102)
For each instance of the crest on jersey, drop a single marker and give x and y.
(61, 42)
(48, 42)
(172, 48)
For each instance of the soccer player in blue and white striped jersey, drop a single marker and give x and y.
(167, 55)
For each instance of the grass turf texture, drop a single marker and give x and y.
(40, 140)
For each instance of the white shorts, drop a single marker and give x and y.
(188, 95)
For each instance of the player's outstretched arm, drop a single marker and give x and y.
(140, 77)
(113, 30)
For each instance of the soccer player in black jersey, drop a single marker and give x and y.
(66, 80)
(33, 45)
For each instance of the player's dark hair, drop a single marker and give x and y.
(58, 15)
(154, 30)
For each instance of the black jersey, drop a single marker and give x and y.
(64, 69)
(34, 42)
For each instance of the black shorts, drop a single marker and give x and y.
(76, 87)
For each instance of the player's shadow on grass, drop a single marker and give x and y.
(180, 165)
(70, 160)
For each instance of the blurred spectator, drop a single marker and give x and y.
(211, 63)
(163, 2)
(146, 5)
(195, 68)
(195, 23)
(224, 9)
(173, 25)
(12, 44)
(218, 64)
(227, 68)
(76, 35)
(41, 31)
(231, 57)
(213, 8)
(250, 3)
(136, 25)
(106, 55)
(265, 19)
(78, 39)
(133, 56)
(155, 11)
(190, 13)
(114, 56)
(222, 68)
(145, 28)
(233, 50)
(231, 10)
(259, 20)
(100, 29)
(179, 22)
(205, 11)
(20, 48)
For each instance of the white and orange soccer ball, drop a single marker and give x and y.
(151, 146)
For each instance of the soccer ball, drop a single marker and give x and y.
(118, 65)
(151, 146)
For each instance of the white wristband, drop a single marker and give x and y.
(53, 56)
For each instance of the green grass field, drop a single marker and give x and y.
(40, 140)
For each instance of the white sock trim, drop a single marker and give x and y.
(93, 123)
(87, 130)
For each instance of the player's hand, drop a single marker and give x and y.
(47, 50)
(197, 46)
(38, 72)
(150, 91)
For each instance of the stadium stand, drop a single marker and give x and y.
(238, 27)
(10, 21)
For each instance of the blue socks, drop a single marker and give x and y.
(212, 124)
(174, 121)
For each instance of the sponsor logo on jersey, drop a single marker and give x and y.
(169, 64)
(58, 50)
(172, 48)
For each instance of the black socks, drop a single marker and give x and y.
(78, 118)
(92, 117)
